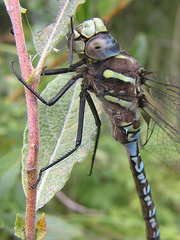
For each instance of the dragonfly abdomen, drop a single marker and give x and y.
(143, 189)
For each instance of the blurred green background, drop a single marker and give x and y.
(109, 207)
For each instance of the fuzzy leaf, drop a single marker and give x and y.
(19, 226)
(45, 40)
(58, 129)
(41, 228)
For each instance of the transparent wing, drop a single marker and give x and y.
(162, 113)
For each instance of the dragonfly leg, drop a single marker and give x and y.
(78, 138)
(72, 68)
(56, 97)
(98, 124)
(71, 39)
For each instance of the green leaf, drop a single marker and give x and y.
(41, 228)
(58, 129)
(45, 40)
(9, 170)
(19, 226)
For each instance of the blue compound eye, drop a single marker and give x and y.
(101, 46)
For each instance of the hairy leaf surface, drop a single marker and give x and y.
(45, 40)
(58, 129)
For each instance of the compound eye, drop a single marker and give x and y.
(101, 46)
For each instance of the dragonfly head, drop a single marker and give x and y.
(92, 40)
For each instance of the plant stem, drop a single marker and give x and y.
(13, 8)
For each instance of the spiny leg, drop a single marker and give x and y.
(98, 124)
(78, 137)
(57, 96)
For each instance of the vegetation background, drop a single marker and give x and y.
(150, 31)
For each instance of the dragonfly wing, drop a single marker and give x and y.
(163, 108)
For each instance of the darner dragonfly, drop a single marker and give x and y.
(124, 88)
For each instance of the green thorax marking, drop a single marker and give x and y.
(111, 74)
(124, 57)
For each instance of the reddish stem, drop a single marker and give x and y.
(13, 9)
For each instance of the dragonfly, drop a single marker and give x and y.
(128, 93)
